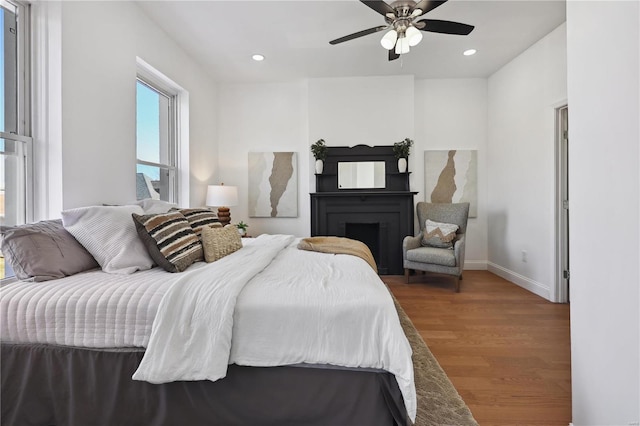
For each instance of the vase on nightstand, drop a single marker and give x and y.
(402, 165)
(319, 166)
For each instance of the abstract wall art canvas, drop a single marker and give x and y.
(273, 184)
(452, 177)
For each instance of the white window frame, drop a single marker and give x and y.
(22, 136)
(167, 141)
(178, 137)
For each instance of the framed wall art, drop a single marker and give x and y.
(452, 177)
(273, 184)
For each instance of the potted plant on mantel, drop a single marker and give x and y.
(319, 150)
(401, 150)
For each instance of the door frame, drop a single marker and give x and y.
(561, 291)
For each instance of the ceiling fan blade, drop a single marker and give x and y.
(393, 55)
(444, 27)
(428, 5)
(358, 34)
(379, 6)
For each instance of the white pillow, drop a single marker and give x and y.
(151, 206)
(109, 234)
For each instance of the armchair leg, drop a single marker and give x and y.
(406, 275)
(458, 283)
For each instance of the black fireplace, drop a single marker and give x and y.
(380, 218)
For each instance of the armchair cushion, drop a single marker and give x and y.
(433, 255)
(439, 234)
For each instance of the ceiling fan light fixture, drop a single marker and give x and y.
(469, 52)
(389, 39)
(402, 46)
(413, 35)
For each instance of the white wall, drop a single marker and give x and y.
(437, 114)
(100, 42)
(264, 118)
(604, 135)
(361, 110)
(452, 114)
(521, 163)
(157, 49)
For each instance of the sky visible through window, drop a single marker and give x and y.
(2, 96)
(148, 129)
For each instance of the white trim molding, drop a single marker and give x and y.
(520, 280)
(475, 265)
(47, 108)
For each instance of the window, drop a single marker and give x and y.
(15, 143)
(156, 172)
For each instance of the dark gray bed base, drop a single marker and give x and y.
(63, 386)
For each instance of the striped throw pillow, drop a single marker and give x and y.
(199, 218)
(169, 239)
(440, 235)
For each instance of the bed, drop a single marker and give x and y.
(269, 334)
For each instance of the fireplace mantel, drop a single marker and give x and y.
(380, 218)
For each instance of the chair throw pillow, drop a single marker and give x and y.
(44, 251)
(169, 239)
(108, 233)
(438, 234)
(220, 242)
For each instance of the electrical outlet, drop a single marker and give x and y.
(524, 256)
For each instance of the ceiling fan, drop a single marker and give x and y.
(404, 31)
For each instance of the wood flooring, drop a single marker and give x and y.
(506, 350)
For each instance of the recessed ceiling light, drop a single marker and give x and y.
(258, 57)
(469, 52)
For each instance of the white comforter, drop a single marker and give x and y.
(343, 314)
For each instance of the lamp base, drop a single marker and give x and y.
(224, 216)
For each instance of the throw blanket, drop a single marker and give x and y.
(339, 245)
(191, 335)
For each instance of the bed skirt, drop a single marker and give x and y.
(57, 385)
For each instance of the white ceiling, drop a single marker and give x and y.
(294, 37)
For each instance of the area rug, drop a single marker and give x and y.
(438, 401)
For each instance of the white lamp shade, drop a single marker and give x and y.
(222, 196)
(402, 46)
(389, 39)
(414, 35)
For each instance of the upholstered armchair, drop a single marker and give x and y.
(428, 258)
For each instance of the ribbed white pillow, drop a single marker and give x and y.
(109, 234)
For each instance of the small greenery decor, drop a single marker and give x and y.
(319, 150)
(242, 226)
(401, 149)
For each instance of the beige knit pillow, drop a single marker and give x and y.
(220, 242)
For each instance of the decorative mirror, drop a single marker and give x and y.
(361, 175)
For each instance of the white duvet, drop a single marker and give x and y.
(267, 304)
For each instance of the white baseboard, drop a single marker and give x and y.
(475, 265)
(520, 280)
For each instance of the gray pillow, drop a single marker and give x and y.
(44, 251)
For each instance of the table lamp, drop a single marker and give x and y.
(222, 196)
